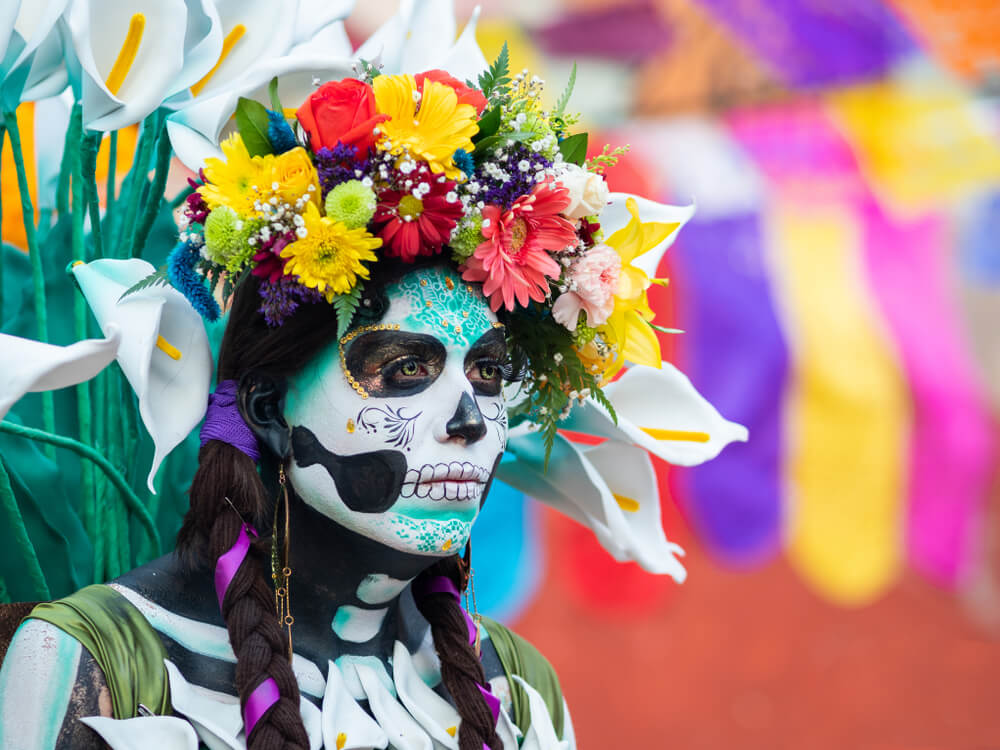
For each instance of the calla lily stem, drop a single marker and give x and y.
(19, 534)
(132, 501)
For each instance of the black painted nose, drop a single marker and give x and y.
(467, 421)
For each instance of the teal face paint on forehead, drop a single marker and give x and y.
(440, 301)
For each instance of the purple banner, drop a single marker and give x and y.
(735, 355)
(816, 43)
(625, 33)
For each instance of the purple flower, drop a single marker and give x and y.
(499, 192)
(338, 165)
(281, 298)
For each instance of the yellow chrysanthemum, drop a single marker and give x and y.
(233, 181)
(294, 173)
(430, 133)
(627, 328)
(329, 258)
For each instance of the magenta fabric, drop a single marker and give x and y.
(229, 562)
(812, 43)
(951, 440)
(735, 354)
(224, 422)
(265, 695)
(623, 33)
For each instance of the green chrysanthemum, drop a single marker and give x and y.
(351, 203)
(223, 228)
(468, 235)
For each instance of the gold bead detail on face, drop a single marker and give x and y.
(346, 339)
(350, 425)
(449, 283)
(428, 303)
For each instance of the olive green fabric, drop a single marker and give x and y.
(519, 657)
(121, 641)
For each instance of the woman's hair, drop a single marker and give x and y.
(211, 528)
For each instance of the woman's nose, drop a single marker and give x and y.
(467, 422)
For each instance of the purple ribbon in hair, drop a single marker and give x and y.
(265, 695)
(224, 422)
(444, 585)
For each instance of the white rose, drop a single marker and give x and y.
(588, 192)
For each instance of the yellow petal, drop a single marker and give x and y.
(641, 345)
(636, 237)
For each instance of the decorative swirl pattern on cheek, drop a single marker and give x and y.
(398, 428)
(496, 412)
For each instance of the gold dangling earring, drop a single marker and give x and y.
(469, 581)
(281, 572)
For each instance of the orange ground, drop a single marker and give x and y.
(755, 660)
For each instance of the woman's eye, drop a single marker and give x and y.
(410, 369)
(488, 372)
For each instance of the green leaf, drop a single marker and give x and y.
(493, 141)
(497, 76)
(574, 149)
(661, 329)
(157, 278)
(272, 93)
(346, 305)
(566, 94)
(489, 124)
(599, 397)
(252, 122)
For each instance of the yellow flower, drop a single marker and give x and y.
(627, 329)
(294, 173)
(235, 180)
(431, 133)
(329, 258)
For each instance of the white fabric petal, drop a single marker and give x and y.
(33, 24)
(47, 74)
(403, 731)
(569, 734)
(579, 487)
(386, 43)
(172, 393)
(541, 735)
(312, 719)
(615, 216)
(507, 731)
(98, 29)
(432, 711)
(8, 15)
(216, 716)
(330, 41)
(315, 15)
(465, 59)
(144, 733)
(202, 44)
(31, 366)
(51, 121)
(431, 29)
(343, 716)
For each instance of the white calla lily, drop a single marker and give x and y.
(616, 216)
(32, 35)
(610, 488)
(660, 411)
(51, 120)
(215, 716)
(31, 366)
(164, 349)
(438, 717)
(315, 15)
(47, 74)
(144, 733)
(202, 45)
(541, 735)
(196, 130)
(130, 55)
(406, 733)
(345, 724)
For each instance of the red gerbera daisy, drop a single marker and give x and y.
(410, 225)
(515, 262)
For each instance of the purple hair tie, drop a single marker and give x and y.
(265, 695)
(224, 422)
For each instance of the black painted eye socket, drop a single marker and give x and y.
(486, 377)
(394, 363)
(406, 372)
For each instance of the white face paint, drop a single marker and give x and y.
(434, 418)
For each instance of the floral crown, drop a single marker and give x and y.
(404, 166)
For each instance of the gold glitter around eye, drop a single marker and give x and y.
(347, 338)
(350, 425)
(465, 313)
(423, 282)
(449, 283)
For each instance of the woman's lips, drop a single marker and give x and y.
(451, 481)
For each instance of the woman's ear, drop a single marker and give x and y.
(261, 399)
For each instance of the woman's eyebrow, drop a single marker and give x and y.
(382, 346)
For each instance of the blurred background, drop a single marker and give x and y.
(839, 289)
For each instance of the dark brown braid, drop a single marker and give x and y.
(461, 670)
(211, 527)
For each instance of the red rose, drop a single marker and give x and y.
(465, 94)
(341, 111)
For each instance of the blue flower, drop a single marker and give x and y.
(186, 280)
(280, 133)
(463, 160)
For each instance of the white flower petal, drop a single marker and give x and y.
(403, 731)
(164, 349)
(465, 59)
(343, 716)
(202, 44)
(98, 29)
(312, 719)
(432, 711)
(659, 410)
(615, 216)
(315, 15)
(144, 733)
(51, 120)
(541, 735)
(31, 366)
(330, 41)
(8, 15)
(216, 716)
(47, 74)
(430, 29)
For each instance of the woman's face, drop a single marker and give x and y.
(396, 433)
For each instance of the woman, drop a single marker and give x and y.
(377, 514)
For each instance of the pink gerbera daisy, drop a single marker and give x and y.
(410, 225)
(514, 262)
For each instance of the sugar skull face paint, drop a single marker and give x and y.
(396, 432)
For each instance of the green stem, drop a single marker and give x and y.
(90, 143)
(68, 158)
(109, 191)
(132, 501)
(14, 529)
(137, 181)
(37, 273)
(3, 135)
(152, 207)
